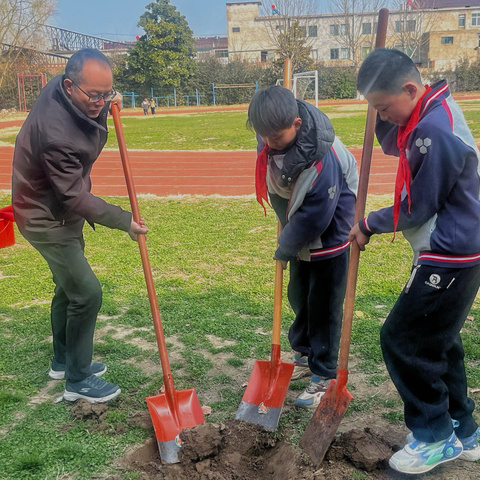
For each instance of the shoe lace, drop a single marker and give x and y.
(95, 382)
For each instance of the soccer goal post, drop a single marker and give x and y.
(301, 83)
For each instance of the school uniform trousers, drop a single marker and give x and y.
(316, 291)
(423, 350)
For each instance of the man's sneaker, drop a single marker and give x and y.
(312, 395)
(419, 457)
(301, 368)
(57, 371)
(92, 389)
(471, 447)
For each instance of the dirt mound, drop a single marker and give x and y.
(240, 451)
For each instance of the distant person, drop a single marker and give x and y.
(145, 105)
(153, 105)
(311, 180)
(437, 207)
(54, 154)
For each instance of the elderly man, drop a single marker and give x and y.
(54, 153)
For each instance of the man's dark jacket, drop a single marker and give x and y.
(54, 153)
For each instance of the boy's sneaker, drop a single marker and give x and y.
(419, 457)
(312, 395)
(300, 368)
(471, 447)
(57, 371)
(92, 389)
(471, 444)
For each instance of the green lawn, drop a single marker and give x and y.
(211, 261)
(212, 265)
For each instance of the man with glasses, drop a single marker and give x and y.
(54, 153)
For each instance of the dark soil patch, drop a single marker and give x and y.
(240, 451)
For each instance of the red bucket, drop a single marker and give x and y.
(7, 235)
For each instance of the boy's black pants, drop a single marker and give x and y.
(316, 291)
(424, 354)
(76, 301)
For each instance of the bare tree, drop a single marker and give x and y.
(354, 26)
(20, 28)
(290, 28)
(411, 26)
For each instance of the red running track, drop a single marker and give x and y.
(164, 173)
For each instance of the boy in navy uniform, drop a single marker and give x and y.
(437, 207)
(311, 181)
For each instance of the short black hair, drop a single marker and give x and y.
(272, 109)
(75, 64)
(386, 70)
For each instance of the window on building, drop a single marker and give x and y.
(399, 26)
(343, 28)
(221, 53)
(366, 51)
(475, 19)
(411, 25)
(263, 55)
(303, 31)
(235, 29)
(447, 40)
(312, 31)
(344, 55)
(461, 20)
(334, 54)
(333, 29)
(366, 28)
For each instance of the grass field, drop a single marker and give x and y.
(213, 270)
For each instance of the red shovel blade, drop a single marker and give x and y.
(325, 421)
(170, 418)
(265, 393)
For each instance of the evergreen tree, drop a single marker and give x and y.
(164, 54)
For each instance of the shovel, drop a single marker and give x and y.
(267, 388)
(173, 410)
(324, 423)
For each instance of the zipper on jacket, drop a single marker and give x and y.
(412, 277)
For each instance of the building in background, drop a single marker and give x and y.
(207, 47)
(437, 34)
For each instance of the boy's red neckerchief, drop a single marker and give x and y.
(261, 177)
(403, 172)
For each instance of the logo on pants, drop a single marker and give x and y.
(433, 281)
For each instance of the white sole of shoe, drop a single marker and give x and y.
(60, 374)
(470, 455)
(73, 396)
(425, 469)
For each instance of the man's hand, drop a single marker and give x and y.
(117, 100)
(357, 235)
(137, 229)
(283, 262)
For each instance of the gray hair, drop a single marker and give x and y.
(75, 64)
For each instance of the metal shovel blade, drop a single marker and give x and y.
(265, 393)
(325, 421)
(169, 418)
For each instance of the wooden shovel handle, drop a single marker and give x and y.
(360, 209)
(152, 297)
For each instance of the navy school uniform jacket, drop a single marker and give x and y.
(443, 226)
(322, 177)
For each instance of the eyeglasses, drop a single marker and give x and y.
(97, 97)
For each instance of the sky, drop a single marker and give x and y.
(117, 19)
